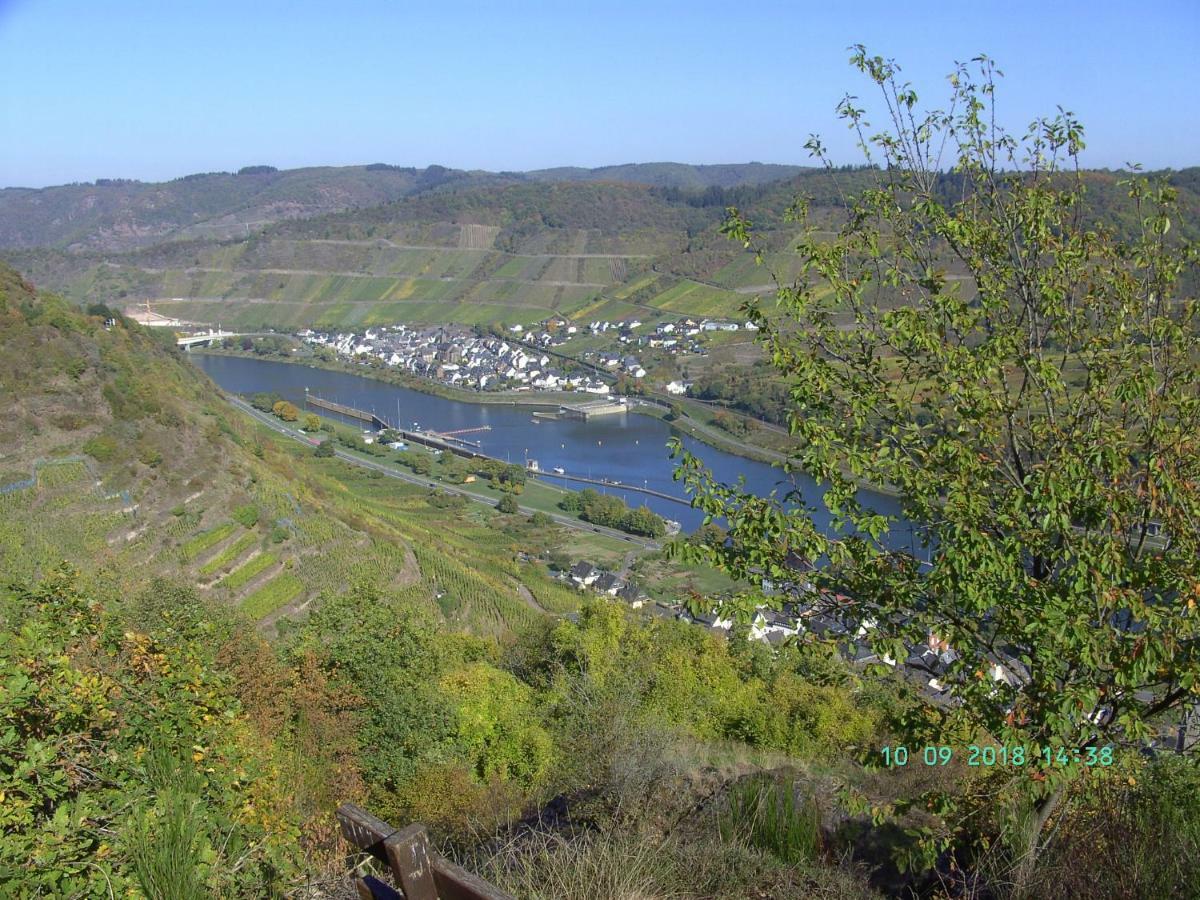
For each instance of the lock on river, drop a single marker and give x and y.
(627, 450)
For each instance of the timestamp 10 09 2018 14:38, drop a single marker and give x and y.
(898, 756)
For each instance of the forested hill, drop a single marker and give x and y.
(121, 214)
(674, 175)
(467, 249)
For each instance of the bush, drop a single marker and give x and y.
(324, 449)
(150, 456)
(508, 505)
(247, 515)
(1147, 816)
(101, 448)
(89, 704)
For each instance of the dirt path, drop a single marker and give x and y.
(290, 610)
(353, 274)
(627, 564)
(386, 243)
(531, 601)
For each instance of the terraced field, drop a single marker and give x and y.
(457, 276)
(32, 519)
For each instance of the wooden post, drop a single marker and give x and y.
(421, 873)
(408, 855)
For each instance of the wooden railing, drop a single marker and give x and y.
(420, 872)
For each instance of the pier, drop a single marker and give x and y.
(591, 408)
(448, 440)
(343, 410)
(611, 484)
(432, 439)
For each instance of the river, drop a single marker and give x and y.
(628, 448)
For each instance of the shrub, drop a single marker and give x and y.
(247, 515)
(150, 456)
(101, 448)
(508, 505)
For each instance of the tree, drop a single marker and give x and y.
(1025, 379)
(312, 423)
(324, 449)
(508, 505)
(264, 401)
(285, 410)
(644, 520)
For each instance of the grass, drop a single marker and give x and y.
(769, 815)
(673, 579)
(246, 572)
(280, 590)
(229, 554)
(597, 548)
(208, 539)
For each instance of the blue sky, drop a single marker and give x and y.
(160, 89)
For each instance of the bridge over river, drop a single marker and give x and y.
(187, 341)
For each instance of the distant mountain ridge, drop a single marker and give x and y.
(475, 248)
(113, 215)
(675, 175)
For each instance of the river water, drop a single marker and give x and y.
(627, 447)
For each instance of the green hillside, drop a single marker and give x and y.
(478, 253)
(157, 744)
(118, 450)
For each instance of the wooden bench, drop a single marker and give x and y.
(420, 872)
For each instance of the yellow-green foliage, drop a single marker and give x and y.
(61, 518)
(683, 676)
(229, 554)
(275, 593)
(246, 572)
(99, 723)
(497, 725)
(207, 540)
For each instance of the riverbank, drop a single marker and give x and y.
(542, 400)
(542, 497)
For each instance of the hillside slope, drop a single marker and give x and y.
(113, 215)
(513, 252)
(123, 459)
(674, 175)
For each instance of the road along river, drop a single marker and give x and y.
(626, 449)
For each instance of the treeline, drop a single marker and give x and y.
(612, 512)
(508, 477)
(270, 402)
(756, 391)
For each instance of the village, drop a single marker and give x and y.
(798, 609)
(523, 358)
(822, 614)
